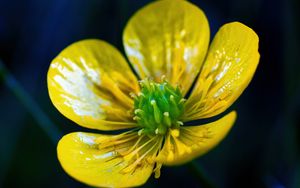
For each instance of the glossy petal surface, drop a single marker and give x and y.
(89, 82)
(96, 159)
(168, 38)
(229, 67)
(194, 141)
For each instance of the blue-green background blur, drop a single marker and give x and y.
(262, 149)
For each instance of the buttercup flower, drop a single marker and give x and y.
(166, 43)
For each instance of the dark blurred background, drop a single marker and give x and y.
(262, 150)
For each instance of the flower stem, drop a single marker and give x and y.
(200, 175)
(31, 106)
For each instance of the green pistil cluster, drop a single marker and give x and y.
(158, 107)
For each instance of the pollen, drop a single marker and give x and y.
(158, 107)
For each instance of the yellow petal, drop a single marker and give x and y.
(229, 67)
(194, 141)
(168, 38)
(89, 82)
(105, 160)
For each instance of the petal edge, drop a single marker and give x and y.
(89, 82)
(228, 69)
(170, 38)
(80, 157)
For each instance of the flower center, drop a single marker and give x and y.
(158, 107)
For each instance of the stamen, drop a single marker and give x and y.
(152, 86)
(140, 132)
(153, 102)
(139, 159)
(175, 108)
(157, 113)
(136, 118)
(133, 156)
(157, 170)
(138, 111)
(179, 123)
(174, 132)
(132, 148)
(170, 147)
(172, 98)
(132, 95)
(140, 94)
(182, 101)
(167, 119)
(134, 152)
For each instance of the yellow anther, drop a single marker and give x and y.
(136, 111)
(140, 132)
(175, 132)
(136, 118)
(182, 101)
(157, 170)
(153, 102)
(179, 122)
(140, 94)
(167, 119)
(171, 97)
(157, 113)
(132, 95)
